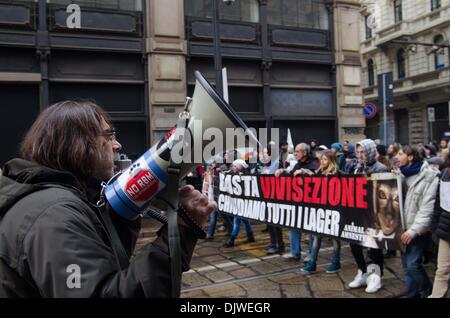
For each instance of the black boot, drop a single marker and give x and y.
(229, 242)
(250, 239)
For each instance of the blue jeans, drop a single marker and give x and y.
(237, 227)
(227, 221)
(317, 242)
(212, 222)
(310, 245)
(418, 285)
(295, 240)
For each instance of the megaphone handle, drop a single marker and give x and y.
(187, 218)
(173, 171)
(150, 211)
(198, 231)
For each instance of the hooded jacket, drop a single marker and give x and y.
(371, 165)
(51, 231)
(441, 218)
(420, 199)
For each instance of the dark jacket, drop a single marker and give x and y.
(440, 224)
(351, 161)
(283, 160)
(310, 163)
(46, 229)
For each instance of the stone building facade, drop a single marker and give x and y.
(291, 64)
(396, 36)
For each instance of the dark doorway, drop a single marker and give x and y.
(20, 106)
(402, 126)
(132, 136)
(372, 129)
(304, 130)
(124, 103)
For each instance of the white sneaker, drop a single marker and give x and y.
(359, 280)
(373, 283)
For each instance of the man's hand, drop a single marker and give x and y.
(196, 204)
(278, 172)
(406, 238)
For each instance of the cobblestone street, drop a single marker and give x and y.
(245, 271)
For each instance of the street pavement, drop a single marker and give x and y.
(246, 271)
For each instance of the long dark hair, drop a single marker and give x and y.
(64, 137)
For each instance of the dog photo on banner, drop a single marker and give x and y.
(353, 208)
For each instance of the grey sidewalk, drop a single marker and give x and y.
(245, 271)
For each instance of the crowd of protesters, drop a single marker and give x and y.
(425, 169)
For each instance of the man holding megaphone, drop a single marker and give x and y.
(68, 226)
(54, 241)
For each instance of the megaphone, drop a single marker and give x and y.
(130, 193)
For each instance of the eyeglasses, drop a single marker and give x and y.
(110, 133)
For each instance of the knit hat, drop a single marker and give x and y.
(437, 161)
(431, 148)
(337, 146)
(240, 164)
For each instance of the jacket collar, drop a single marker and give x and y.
(424, 170)
(26, 174)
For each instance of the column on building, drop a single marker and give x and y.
(166, 49)
(348, 70)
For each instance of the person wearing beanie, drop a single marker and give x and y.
(239, 165)
(430, 151)
(336, 148)
(436, 163)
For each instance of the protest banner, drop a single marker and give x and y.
(353, 208)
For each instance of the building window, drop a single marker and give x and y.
(298, 13)
(435, 4)
(398, 15)
(244, 11)
(439, 55)
(368, 30)
(129, 5)
(370, 73)
(441, 127)
(401, 64)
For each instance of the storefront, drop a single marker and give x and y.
(103, 62)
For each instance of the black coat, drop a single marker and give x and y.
(43, 231)
(310, 163)
(441, 219)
